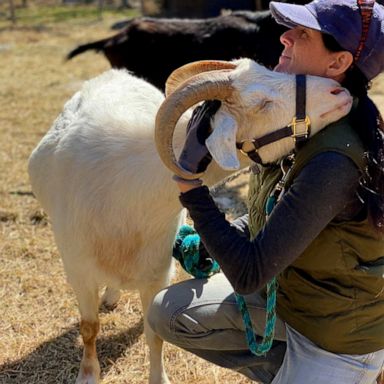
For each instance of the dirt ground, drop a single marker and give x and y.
(39, 338)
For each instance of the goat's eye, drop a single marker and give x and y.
(265, 104)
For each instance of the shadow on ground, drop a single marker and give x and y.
(57, 361)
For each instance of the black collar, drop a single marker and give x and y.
(298, 129)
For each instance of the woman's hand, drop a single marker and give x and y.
(195, 156)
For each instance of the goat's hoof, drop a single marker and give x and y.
(110, 299)
(162, 380)
(89, 372)
(87, 379)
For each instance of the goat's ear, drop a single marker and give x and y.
(222, 142)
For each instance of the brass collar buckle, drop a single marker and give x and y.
(301, 128)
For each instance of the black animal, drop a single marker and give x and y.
(153, 47)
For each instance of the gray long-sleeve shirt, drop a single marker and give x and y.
(324, 190)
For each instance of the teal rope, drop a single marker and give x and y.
(186, 251)
(262, 348)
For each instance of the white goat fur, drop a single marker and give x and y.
(113, 206)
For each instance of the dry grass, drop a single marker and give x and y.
(39, 340)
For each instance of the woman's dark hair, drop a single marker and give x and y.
(368, 123)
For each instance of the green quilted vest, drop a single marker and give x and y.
(334, 292)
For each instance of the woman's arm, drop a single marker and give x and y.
(319, 193)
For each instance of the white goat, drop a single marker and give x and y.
(112, 203)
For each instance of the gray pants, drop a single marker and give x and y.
(201, 316)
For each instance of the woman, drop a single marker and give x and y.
(323, 240)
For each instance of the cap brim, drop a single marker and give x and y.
(292, 15)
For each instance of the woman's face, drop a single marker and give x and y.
(305, 53)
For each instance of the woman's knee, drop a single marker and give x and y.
(188, 308)
(160, 314)
(167, 305)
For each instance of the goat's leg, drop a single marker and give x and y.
(88, 299)
(157, 373)
(380, 378)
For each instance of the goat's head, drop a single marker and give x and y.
(255, 101)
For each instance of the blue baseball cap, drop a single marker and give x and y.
(342, 20)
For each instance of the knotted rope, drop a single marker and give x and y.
(186, 252)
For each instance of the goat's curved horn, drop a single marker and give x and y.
(186, 71)
(205, 86)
